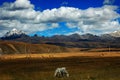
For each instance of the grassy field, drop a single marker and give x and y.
(79, 67)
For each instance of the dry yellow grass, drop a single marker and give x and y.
(58, 55)
(79, 68)
(80, 65)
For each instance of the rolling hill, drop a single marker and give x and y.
(12, 47)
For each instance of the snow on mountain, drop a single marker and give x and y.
(14, 32)
(111, 36)
(115, 34)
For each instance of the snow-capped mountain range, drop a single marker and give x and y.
(73, 40)
(14, 34)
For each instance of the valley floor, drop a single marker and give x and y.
(67, 54)
(81, 66)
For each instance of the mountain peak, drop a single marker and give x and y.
(115, 34)
(14, 29)
(115, 31)
(14, 33)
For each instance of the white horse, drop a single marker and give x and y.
(61, 72)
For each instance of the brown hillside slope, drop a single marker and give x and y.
(12, 47)
(20, 47)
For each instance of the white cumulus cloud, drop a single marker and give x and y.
(108, 2)
(22, 15)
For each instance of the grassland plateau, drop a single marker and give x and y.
(81, 66)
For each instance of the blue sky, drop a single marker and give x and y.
(56, 17)
(50, 4)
